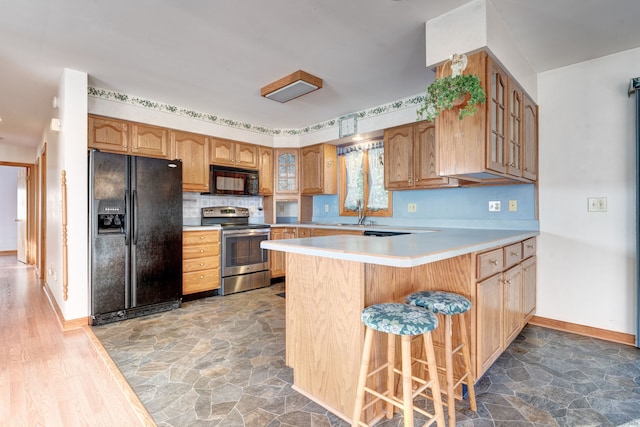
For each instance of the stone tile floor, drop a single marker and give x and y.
(219, 361)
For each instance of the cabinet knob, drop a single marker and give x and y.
(201, 276)
(516, 253)
(417, 179)
(202, 263)
(201, 237)
(507, 282)
(530, 246)
(493, 261)
(201, 250)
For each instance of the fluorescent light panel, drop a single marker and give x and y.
(291, 86)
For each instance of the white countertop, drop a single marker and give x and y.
(405, 250)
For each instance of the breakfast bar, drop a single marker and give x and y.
(330, 279)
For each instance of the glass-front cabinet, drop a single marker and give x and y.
(287, 170)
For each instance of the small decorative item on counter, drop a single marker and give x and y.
(456, 90)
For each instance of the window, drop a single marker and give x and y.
(362, 180)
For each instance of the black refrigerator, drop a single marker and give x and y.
(135, 236)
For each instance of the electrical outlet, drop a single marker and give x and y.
(597, 204)
(412, 208)
(513, 205)
(326, 208)
(494, 206)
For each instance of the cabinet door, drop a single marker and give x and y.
(497, 118)
(311, 166)
(398, 154)
(222, 152)
(530, 140)
(528, 289)
(424, 158)
(512, 283)
(286, 170)
(193, 150)
(278, 259)
(245, 155)
(108, 134)
(150, 141)
(515, 129)
(265, 170)
(488, 323)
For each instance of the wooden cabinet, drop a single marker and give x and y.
(200, 261)
(234, 153)
(121, 136)
(316, 232)
(495, 145)
(319, 169)
(410, 158)
(108, 134)
(530, 140)
(265, 170)
(286, 172)
(278, 259)
(506, 287)
(193, 150)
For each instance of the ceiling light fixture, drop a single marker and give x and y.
(291, 86)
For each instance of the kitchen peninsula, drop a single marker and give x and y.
(330, 279)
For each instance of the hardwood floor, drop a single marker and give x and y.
(49, 377)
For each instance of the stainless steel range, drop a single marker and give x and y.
(244, 264)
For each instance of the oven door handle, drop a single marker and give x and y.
(246, 232)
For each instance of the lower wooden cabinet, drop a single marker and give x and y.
(505, 301)
(200, 261)
(278, 259)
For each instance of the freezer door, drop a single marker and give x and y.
(109, 254)
(156, 251)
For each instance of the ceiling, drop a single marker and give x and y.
(214, 56)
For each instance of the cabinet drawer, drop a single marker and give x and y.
(304, 232)
(200, 237)
(512, 254)
(200, 281)
(490, 263)
(528, 248)
(197, 264)
(200, 251)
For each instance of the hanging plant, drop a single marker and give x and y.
(446, 92)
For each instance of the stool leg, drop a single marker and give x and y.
(448, 357)
(433, 375)
(391, 364)
(407, 389)
(467, 362)
(362, 377)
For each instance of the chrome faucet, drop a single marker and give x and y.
(361, 215)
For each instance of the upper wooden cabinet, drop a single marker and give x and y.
(410, 158)
(319, 166)
(120, 136)
(493, 145)
(286, 172)
(234, 153)
(265, 170)
(193, 150)
(530, 140)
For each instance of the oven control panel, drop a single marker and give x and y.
(225, 211)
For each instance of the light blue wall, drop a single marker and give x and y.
(448, 207)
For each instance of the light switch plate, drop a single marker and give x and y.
(596, 204)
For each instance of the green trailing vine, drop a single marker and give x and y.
(443, 93)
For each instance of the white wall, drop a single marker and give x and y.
(586, 272)
(8, 208)
(68, 151)
(17, 154)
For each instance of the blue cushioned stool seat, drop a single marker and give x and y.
(440, 302)
(399, 319)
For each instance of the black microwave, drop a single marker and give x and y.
(229, 180)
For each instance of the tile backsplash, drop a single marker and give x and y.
(192, 203)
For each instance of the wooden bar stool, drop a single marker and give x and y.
(406, 321)
(450, 305)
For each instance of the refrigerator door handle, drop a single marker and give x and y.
(135, 217)
(127, 210)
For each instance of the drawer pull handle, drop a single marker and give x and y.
(201, 237)
(507, 282)
(530, 246)
(516, 253)
(493, 261)
(201, 276)
(202, 263)
(201, 250)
